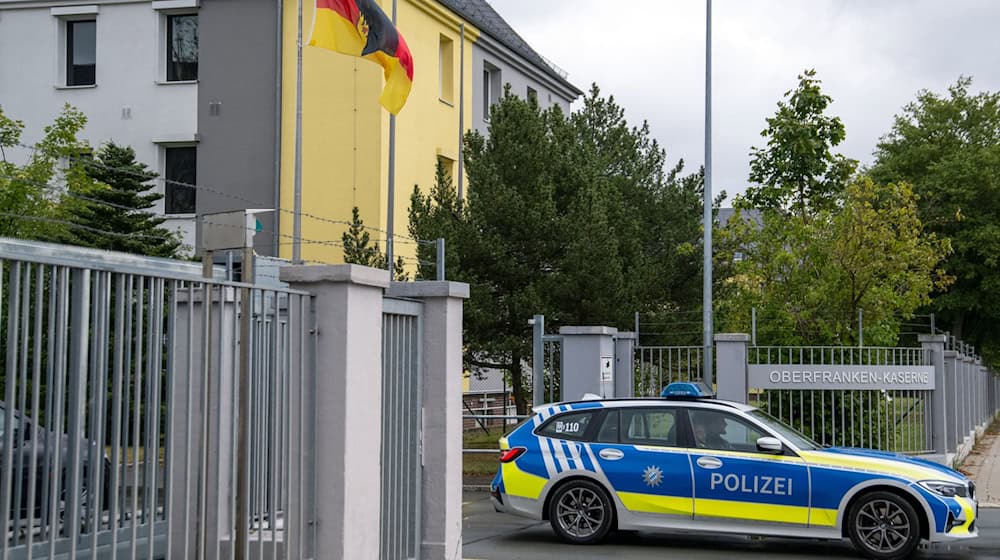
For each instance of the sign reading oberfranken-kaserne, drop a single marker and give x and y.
(774, 376)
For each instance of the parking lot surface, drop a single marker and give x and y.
(488, 535)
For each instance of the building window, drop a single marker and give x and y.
(182, 47)
(446, 83)
(181, 164)
(532, 94)
(491, 88)
(448, 165)
(81, 52)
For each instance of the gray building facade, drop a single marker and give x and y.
(238, 123)
(501, 57)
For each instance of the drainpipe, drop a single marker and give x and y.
(277, 128)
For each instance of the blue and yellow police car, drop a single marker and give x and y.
(694, 463)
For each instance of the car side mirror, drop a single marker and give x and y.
(770, 445)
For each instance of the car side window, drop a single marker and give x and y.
(714, 429)
(609, 428)
(567, 426)
(649, 426)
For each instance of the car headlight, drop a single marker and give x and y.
(945, 488)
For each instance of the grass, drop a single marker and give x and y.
(480, 464)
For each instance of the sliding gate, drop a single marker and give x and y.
(119, 423)
(402, 472)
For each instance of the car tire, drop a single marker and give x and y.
(883, 526)
(581, 512)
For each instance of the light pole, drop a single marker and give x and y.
(707, 287)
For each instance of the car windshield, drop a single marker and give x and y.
(791, 434)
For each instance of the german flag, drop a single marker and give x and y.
(360, 28)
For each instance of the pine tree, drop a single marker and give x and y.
(358, 248)
(118, 199)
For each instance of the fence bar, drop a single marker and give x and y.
(10, 374)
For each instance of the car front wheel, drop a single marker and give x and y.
(581, 512)
(883, 526)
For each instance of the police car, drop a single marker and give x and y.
(693, 463)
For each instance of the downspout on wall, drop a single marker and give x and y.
(280, 22)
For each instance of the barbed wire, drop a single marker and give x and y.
(66, 192)
(74, 225)
(151, 176)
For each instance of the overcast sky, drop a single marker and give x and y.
(872, 56)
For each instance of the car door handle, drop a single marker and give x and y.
(611, 454)
(709, 462)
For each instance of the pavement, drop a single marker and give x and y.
(983, 466)
(488, 535)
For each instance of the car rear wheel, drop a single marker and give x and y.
(883, 526)
(581, 512)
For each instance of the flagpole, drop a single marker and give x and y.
(708, 222)
(461, 109)
(297, 214)
(390, 218)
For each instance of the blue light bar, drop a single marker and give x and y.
(687, 390)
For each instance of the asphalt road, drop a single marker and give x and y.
(488, 535)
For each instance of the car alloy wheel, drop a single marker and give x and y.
(884, 526)
(580, 512)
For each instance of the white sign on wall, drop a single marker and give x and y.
(606, 367)
(847, 377)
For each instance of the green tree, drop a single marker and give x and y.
(572, 217)
(856, 244)
(948, 147)
(117, 199)
(808, 279)
(797, 170)
(358, 248)
(29, 192)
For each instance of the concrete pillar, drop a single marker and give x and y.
(939, 416)
(625, 364)
(953, 435)
(588, 362)
(441, 367)
(348, 405)
(968, 379)
(731, 366)
(980, 394)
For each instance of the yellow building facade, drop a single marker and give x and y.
(345, 131)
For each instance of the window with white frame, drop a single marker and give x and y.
(180, 169)
(76, 46)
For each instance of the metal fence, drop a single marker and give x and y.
(886, 419)
(552, 371)
(972, 393)
(658, 366)
(402, 473)
(487, 411)
(121, 388)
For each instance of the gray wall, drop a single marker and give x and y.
(238, 69)
(518, 73)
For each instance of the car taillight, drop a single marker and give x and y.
(511, 454)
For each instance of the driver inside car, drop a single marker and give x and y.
(708, 431)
